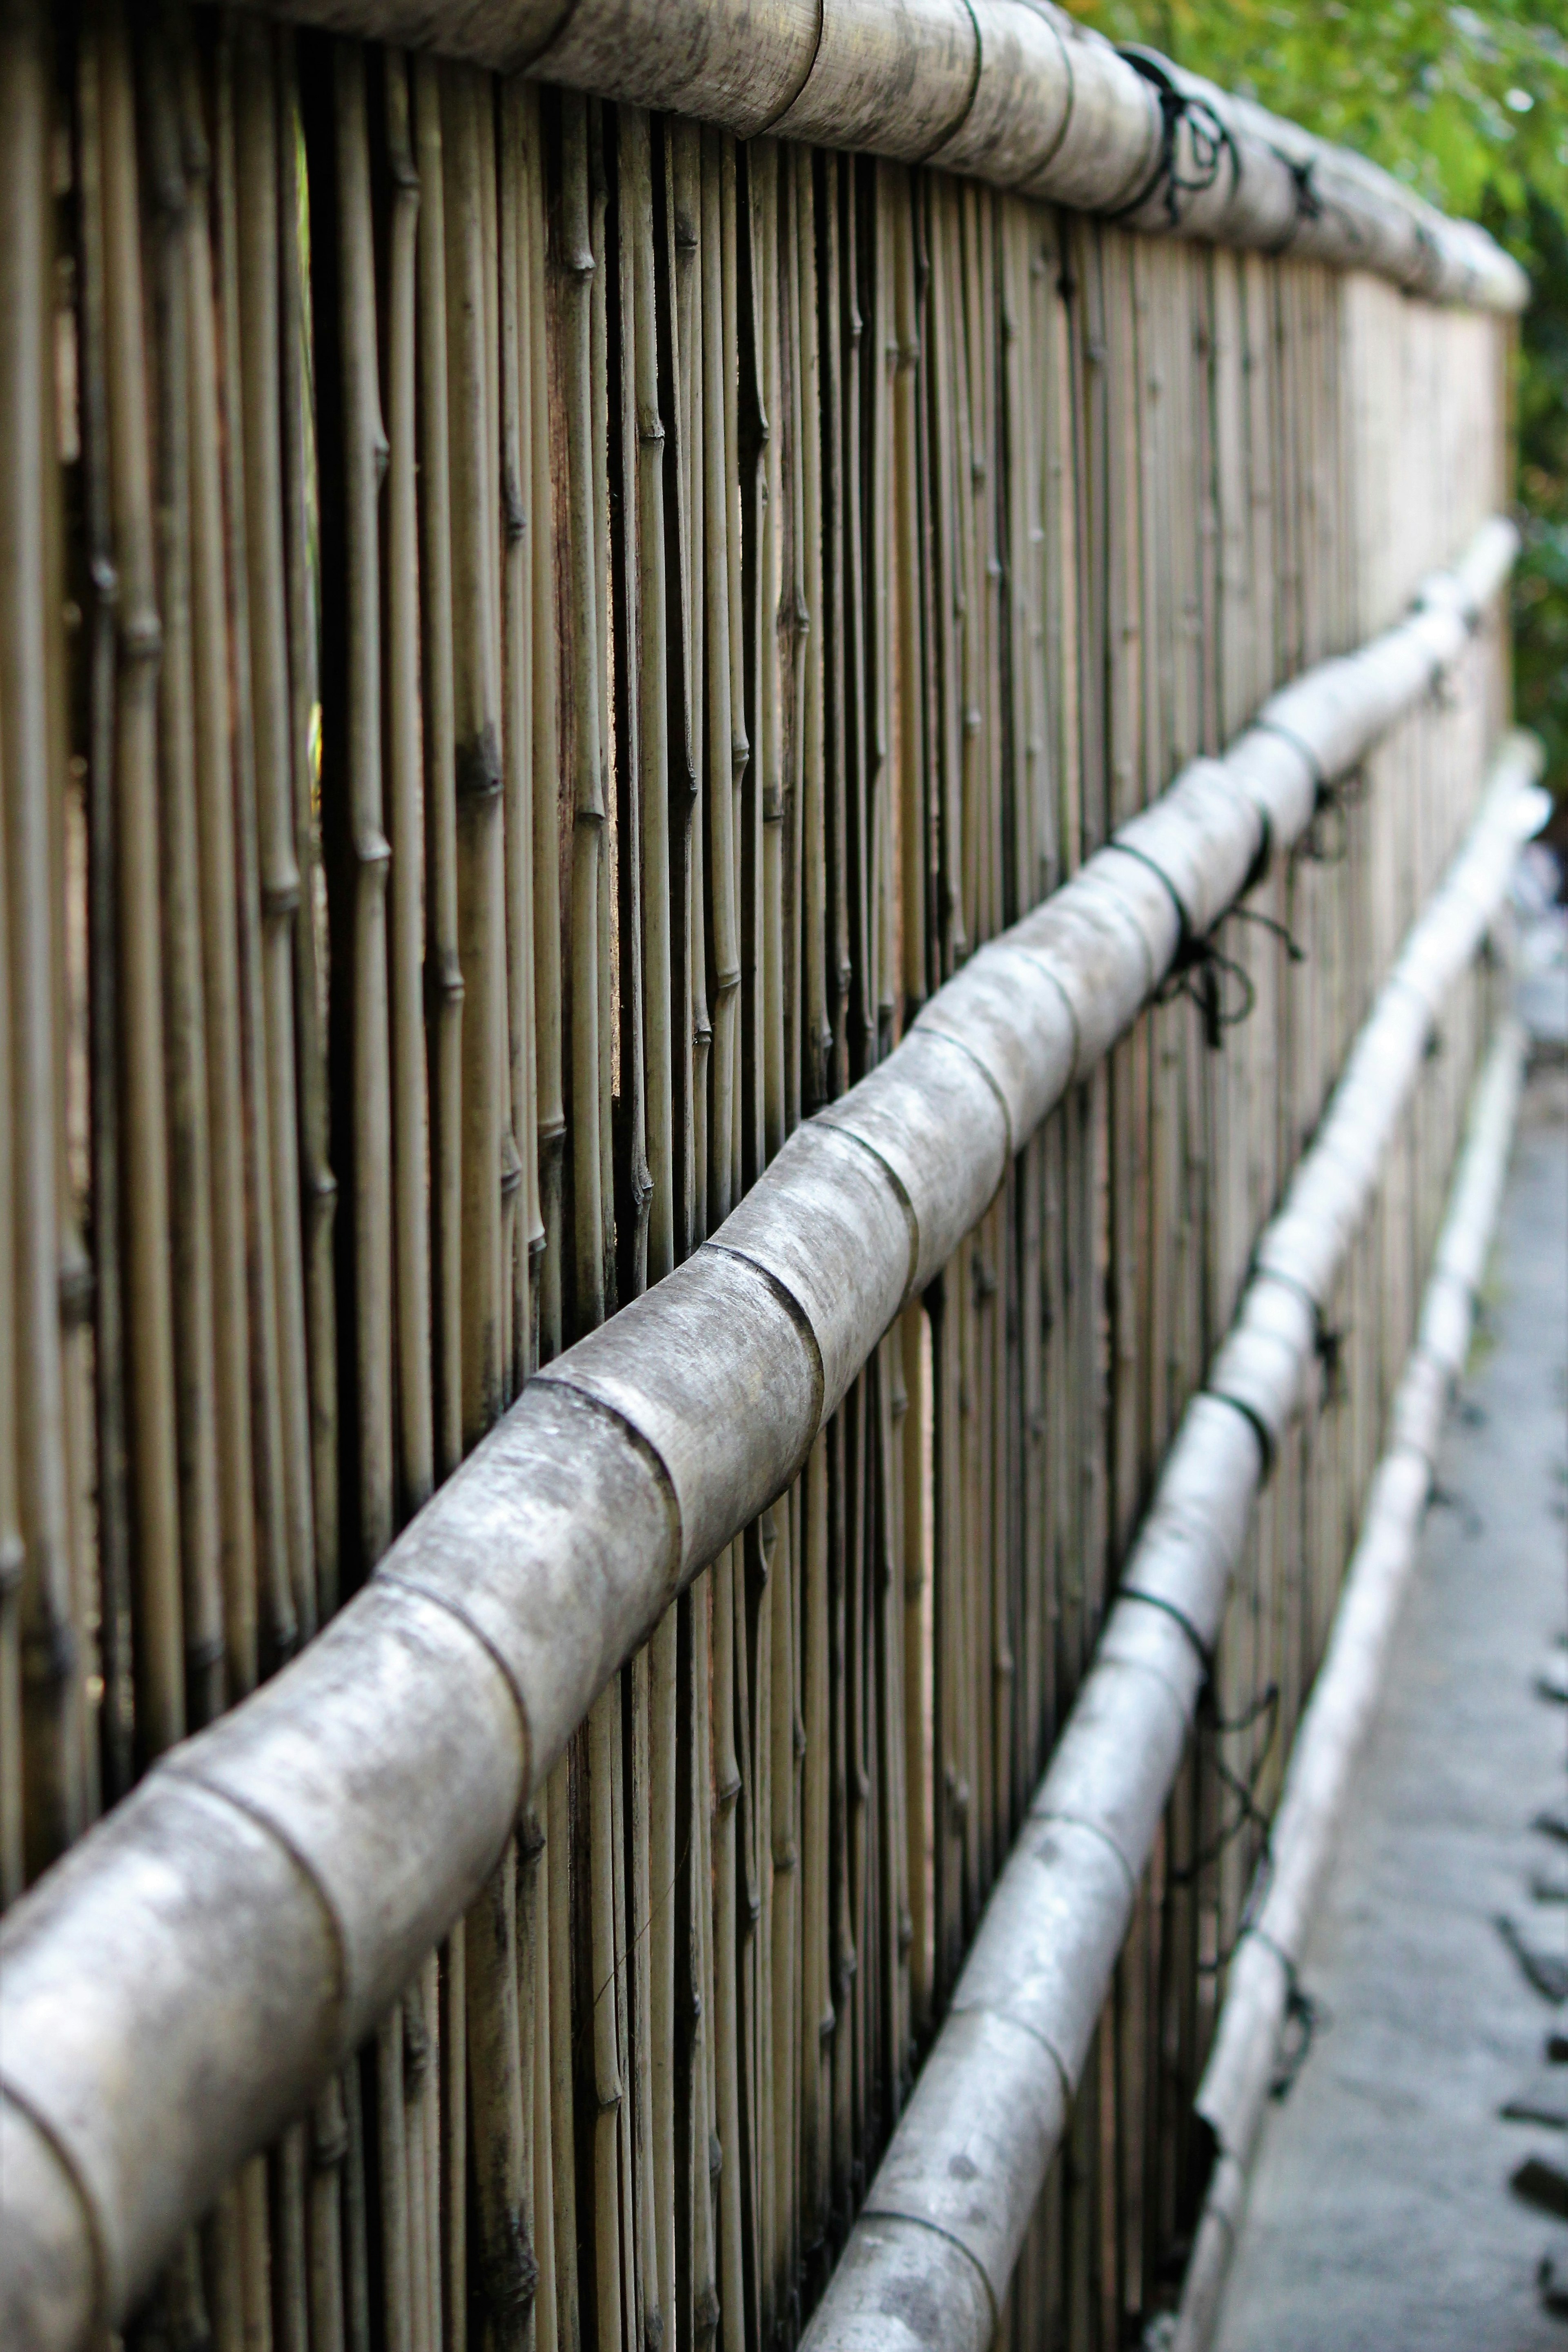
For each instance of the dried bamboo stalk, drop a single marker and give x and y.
(473, 444)
(256, 154)
(185, 1019)
(320, 1185)
(367, 854)
(410, 1105)
(156, 1602)
(446, 981)
(276, 1618)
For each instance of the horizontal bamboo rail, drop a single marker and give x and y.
(189, 1974)
(1243, 2063)
(931, 2257)
(1012, 92)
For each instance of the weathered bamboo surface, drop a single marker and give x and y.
(1261, 1989)
(548, 640)
(971, 2153)
(1014, 92)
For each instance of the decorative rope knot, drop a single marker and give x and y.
(1243, 1787)
(1202, 968)
(1303, 2018)
(1209, 142)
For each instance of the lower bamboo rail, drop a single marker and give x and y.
(931, 2258)
(1261, 1982)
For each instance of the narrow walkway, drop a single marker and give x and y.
(1381, 2218)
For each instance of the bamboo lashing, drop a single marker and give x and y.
(1242, 2068)
(270, 1890)
(947, 2211)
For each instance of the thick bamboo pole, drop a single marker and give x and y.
(1008, 91)
(1233, 2094)
(270, 1891)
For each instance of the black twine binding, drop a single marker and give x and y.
(1198, 963)
(1249, 1811)
(1208, 136)
(1309, 203)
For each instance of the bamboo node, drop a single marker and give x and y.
(76, 1284)
(477, 766)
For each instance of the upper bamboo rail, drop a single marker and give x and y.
(945, 2217)
(188, 1975)
(1012, 92)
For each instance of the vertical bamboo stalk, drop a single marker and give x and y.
(506, 2269)
(116, 1715)
(520, 325)
(410, 1107)
(301, 511)
(726, 2020)
(278, 1619)
(612, 994)
(213, 789)
(608, 2087)
(549, 1113)
(785, 1855)
(256, 152)
(569, 2330)
(467, 141)
(156, 1605)
(577, 266)
(185, 1022)
(716, 404)
(445, 983)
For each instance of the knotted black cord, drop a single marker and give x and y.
(1307, 2016)
(1329, 1345)
(1210, 139)
(1197, 976)
(1197, 963)
(1293, 947)
(1244, 1790)
(1309, 203)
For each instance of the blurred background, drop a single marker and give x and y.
(1469, 106)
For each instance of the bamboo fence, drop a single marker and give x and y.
(542, 642)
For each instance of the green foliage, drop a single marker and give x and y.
(1470, 107)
